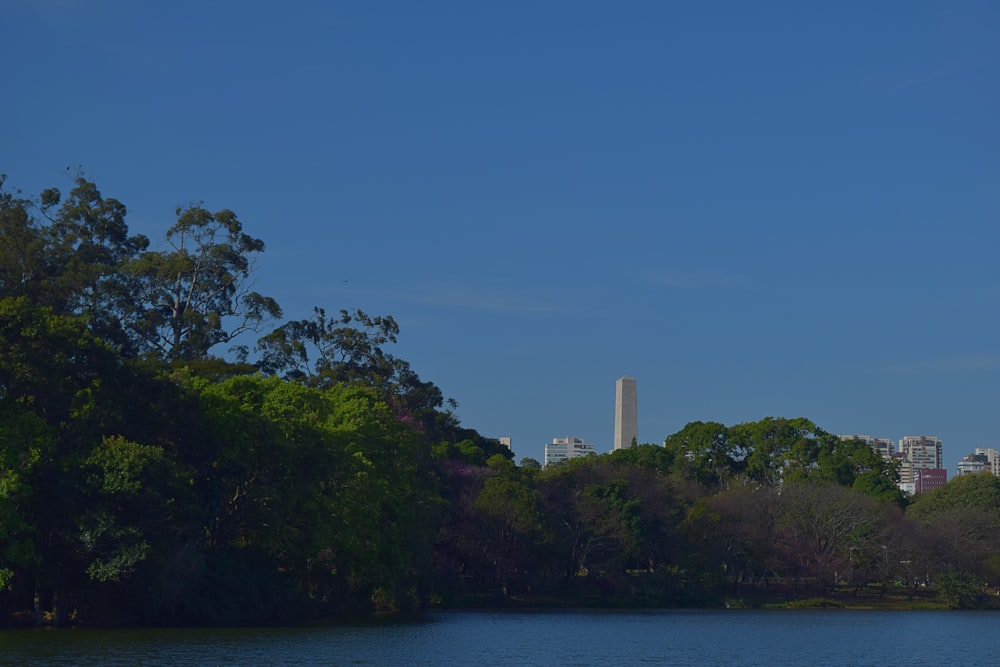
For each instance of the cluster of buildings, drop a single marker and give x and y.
(920, 460)
(920, 466)
(982, 459)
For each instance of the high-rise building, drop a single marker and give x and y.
(563, 449)
(923, 451)
(626, 413)
(905, 473)
(992, 457)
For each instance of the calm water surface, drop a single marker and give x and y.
(571, 638)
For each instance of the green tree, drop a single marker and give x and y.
(26, 267)
(965, 492)
(52, 368)
(820, 526)
(705, 453)
(324, 351)
(597, 515)
(958, 526)
(135, 512)
(197, 295)
(616, 522)
(780, 449)
(856, 464)
(513, 520)
(24, 440)
(90, 244)
(741, 535)
(55, 373)
(325, 485)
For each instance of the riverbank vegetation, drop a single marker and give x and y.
(157, 469)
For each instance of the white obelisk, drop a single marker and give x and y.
(626, 413)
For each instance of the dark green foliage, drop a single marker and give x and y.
(774, 451)
(968, 493)
(958, 528)
(26, 267)
(649, 457)
(89, 244)
(325, 351)
(704, 452)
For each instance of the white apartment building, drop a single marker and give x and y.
(971, 467)
(982, 459)
(923, 451)
(563, 449)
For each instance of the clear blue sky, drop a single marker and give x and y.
(754, 208)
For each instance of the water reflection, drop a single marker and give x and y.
(771, 639)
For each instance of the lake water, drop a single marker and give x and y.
(567, 638)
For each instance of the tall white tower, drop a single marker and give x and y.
(626, 413)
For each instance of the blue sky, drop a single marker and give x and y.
(754, 208)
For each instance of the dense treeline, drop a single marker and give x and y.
(145, 477)
(770, 509)
(154, 471)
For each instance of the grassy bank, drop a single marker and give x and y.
(774, 596)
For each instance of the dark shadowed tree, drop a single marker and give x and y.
(779, 449)
(26, 266)
(198, 295)
(324, 351)
(818, 528)
(958, 526)
(856, 464)
(90, 244)
(736, 531)
(705, 453)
